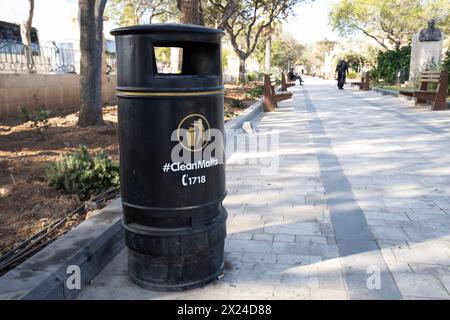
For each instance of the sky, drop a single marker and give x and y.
(52, 18)
(309, 24)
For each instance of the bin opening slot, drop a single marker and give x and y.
(187, 58)
(168, 60)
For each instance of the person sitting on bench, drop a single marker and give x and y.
(293, 76)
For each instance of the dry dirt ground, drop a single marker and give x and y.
(27, 203)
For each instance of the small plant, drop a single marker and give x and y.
(236, 103)
(79, 173)
(352, 74)
(229, 114)
(445, 64)
(255, 92)
(389, 62)
(37, 119)
(255, 76)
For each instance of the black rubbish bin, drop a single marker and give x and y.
(172, 166)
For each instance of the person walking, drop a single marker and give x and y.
(342, 71)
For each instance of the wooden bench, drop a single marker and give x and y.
(285, 84)
(438, 97)
(364, 83)
(271, 98)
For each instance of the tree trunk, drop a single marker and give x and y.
(242, 77)
(267, 59)
(91, 47)
(26, 38)
(190, 11)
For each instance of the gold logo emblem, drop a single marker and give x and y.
(193, 132)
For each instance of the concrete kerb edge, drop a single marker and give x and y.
(44, 275)
(101, 238)
(386, 91)
(249, 114)
(235, 124)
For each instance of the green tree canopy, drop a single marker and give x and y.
(130, 12)
(321, 48)
(246, 23)
(286, 51)
(390, 23)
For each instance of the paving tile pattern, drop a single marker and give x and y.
(283, 241)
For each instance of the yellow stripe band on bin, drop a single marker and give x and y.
(124, 93)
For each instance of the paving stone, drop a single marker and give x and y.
(330, 275)
(388, 216)
(295, 228)
(301, 276)
(323, 250)
(248, 245)
(289, 293)
(292, 259)
(416, 212)
(259, 272)
(259, 257)
(241, 236)
(250, 291)
(129, 292)
(430, 253)
(420, 285)
(419, 233)
(328, 294)
(284, 238)
(263, 236)
(388, 233)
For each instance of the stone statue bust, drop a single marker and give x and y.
(431, 33)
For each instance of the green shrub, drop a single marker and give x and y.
(388, 64)
(252, 77)
(446, 64)
(255, 92)
(229, 114)
(255, 76)
(352, 74)
(79, 173)
(37, 119)
(236, 103)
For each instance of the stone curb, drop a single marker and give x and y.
(90, 246)
(386, 91)
(249, 114)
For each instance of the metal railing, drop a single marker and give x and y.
(19, 58)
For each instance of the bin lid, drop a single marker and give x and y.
(165, 27)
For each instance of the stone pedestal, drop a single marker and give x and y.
(423, 55)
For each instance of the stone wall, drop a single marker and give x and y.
(55, 91)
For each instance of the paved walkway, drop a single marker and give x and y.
(358, 209)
